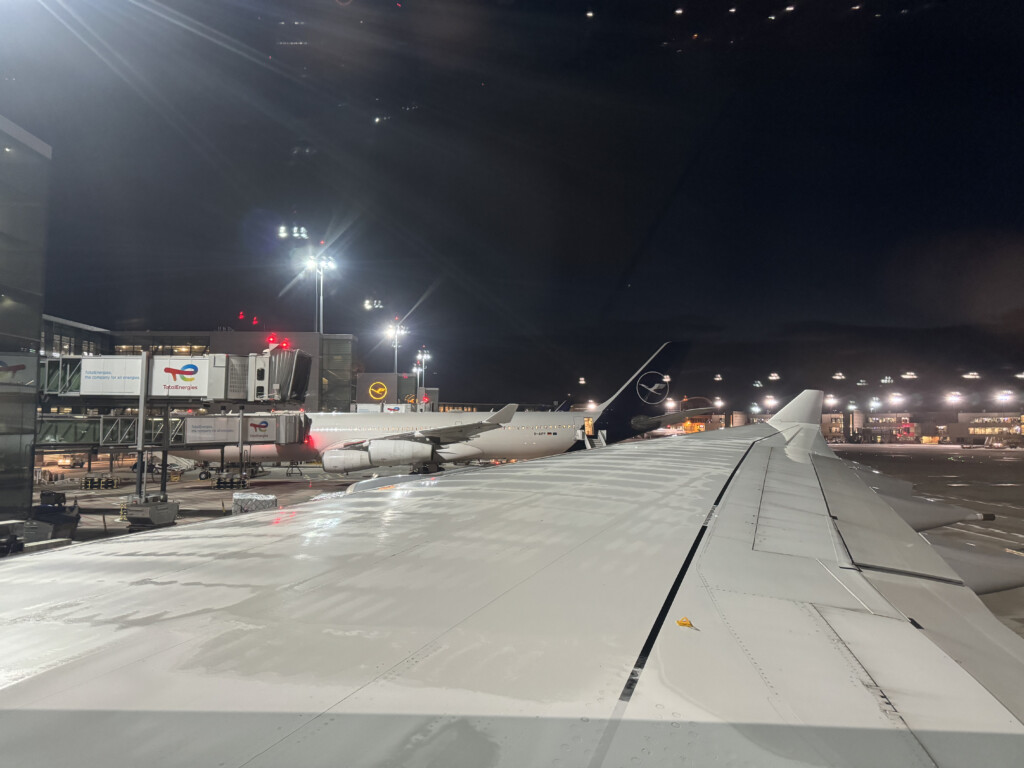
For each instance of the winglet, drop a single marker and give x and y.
(805, 408)
(503, 416)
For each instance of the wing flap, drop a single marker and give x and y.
(875, 536)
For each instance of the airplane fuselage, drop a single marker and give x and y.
(528, 435)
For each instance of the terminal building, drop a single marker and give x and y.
(24, 179)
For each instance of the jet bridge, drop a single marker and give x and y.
(275, 375)
(178, 431)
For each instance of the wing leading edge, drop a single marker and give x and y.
(515, 616)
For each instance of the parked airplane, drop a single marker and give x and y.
(347, 442)
(737, 597)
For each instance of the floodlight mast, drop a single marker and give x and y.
(319, 264)
(394, 332)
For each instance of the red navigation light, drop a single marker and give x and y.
(241, 315)
(286, 343)
(255, 320)
(272, 338)
(426, 399)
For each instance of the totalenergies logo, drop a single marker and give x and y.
(259, 427)
(187, 372)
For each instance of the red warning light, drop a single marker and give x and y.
(272, 338)
(286, 343)
(255, 320)
(426, 399)
(241, 315)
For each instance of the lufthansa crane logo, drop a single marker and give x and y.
(378, 391)
(651, 387)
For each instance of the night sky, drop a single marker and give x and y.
(552, 194)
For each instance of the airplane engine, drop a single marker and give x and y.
(386, 452)
(346, 460)
(378, 453)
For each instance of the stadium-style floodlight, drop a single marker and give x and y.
(773, 376)
(296, 233)
(755, 408)
(908, 375)
(838, 375)
(851, 406)
(874, 404)
(422, 356)
(770, 402)
(718, 403)
(896, 398)
(953, 398)
(972, 375)
(1004, 397)
(371, 304)
(831, 401)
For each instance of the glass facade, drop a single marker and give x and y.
(157, 343)
(24, 177)
(65, 337)
(336, 373)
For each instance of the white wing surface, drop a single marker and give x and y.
(737, 598)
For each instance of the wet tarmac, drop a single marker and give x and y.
(198, 499)
(981, 479)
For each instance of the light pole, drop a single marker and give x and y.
(422, 356)
(395, 332)
(319, 264)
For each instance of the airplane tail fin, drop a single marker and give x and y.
(644, 394)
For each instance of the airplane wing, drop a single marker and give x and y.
(644, 423)
(459, 432)
(454, 433)
(737, 597)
